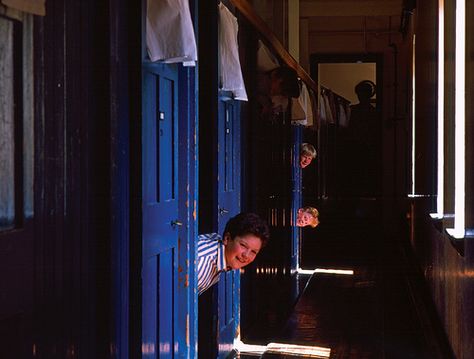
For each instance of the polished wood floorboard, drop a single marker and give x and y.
(371, 314)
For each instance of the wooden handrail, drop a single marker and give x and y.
(323, 88)
(271, 40)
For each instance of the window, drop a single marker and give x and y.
(458, 229)
(16, 120)
(451, 137)
(438, 214)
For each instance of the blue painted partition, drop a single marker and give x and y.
(160, 210)
(228, 310)
(187, 320)
(169, 299)
(296, 196)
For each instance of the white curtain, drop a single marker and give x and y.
(301, 108)
(266, 61)
(229, 63)
(169, 32)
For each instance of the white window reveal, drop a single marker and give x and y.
(459, 123)
(440, 173)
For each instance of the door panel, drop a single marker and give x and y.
(160, 210)
(228, 206)
(296, 196)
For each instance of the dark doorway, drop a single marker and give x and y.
(349, 139)
(349, 173)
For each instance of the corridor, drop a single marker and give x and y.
(120, 146)
(380, 311)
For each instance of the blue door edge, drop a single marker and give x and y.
(229, 189)
(297, 192)
(187, 210)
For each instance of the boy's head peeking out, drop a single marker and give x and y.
(307, 216)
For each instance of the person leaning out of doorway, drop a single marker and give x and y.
(307, 154)
(244, 236)
(307, 216)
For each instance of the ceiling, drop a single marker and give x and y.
(318, 8)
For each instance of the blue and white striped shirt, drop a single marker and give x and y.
(210, 260)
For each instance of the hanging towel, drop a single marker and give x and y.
(301, 110)
(314, 108)
(35, 7)
(298, 115)
(229, 64)
(328, 108)
(169, 32)
(322, 108)
(343, 119)
(266, 61)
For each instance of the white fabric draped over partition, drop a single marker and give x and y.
(169, 32)
(266, 61)
(301, 108)
(230, 72)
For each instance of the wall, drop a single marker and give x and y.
(342, 78)
(448, 265)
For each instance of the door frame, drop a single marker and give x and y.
(319, 191)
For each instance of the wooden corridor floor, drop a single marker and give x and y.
(381, 311)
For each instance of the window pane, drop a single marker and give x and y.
(7, 144)
(28, 116)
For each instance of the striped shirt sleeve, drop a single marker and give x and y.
(207, 254)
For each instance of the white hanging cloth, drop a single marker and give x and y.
(343, 119)
(230, 72)
(169, 32)
(266, 61)
(301, 108)
(322, 108)
(298, 115)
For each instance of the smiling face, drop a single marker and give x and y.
(304, 219)
(241, 251)
(305, 160)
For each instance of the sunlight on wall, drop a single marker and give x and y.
(413, 122)
(460, 123)
(440, 189)
(341, 78)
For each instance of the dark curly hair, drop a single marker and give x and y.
(248, 223)
(290, 86)
(365, 89)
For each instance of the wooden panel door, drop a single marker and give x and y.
(160, 210)
(296, 196)
(228, 206)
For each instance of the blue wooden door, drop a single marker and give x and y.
(160, 210)
(296, 195)
(228, 206)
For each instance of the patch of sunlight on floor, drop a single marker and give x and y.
(282, 348)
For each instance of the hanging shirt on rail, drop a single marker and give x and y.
(231, 78)
(169, 32)
(301, 108)
(266, 61)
